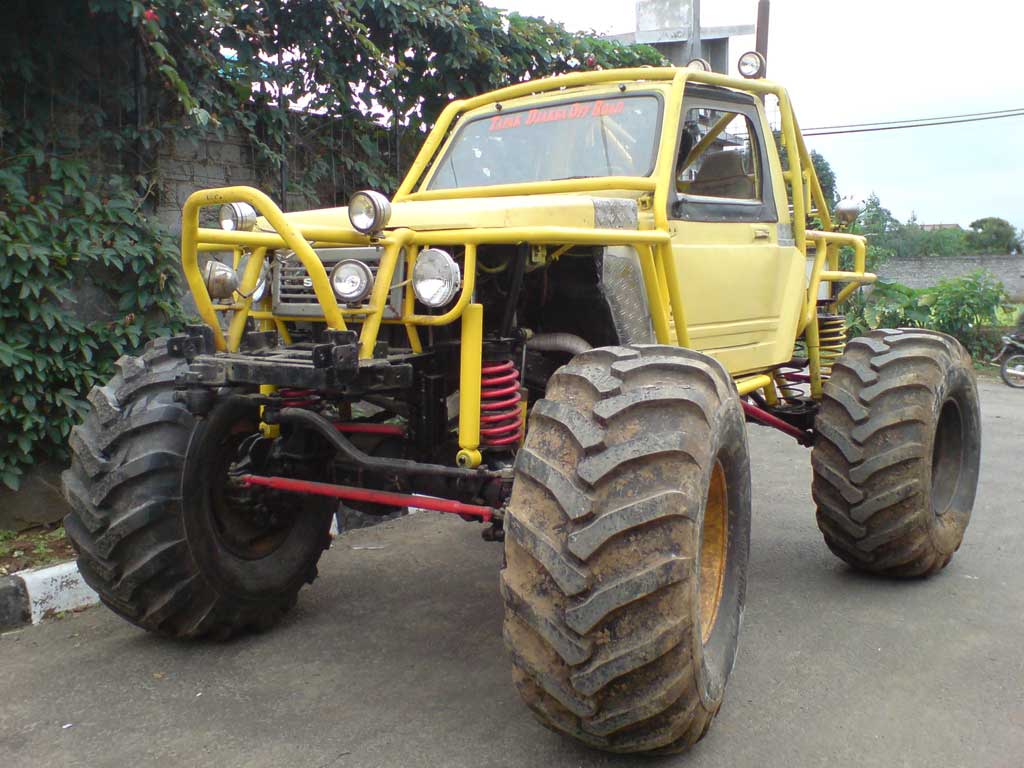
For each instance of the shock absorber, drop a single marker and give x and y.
(501, 420)
(832, 340)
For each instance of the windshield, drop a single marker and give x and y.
(568, 140)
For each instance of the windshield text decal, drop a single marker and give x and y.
(575, 111)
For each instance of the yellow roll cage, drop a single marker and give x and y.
(653, 246)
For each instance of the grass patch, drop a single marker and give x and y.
(34, 548)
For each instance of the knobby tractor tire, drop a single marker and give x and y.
(897, 452)
(626, 548)
(149, 549)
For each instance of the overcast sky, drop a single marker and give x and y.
(870, 60)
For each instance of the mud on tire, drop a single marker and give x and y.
(129, 524)
(897, 452)
(606, 574)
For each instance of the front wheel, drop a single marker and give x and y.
(626, 546)
(164, 535)
(1013, 371)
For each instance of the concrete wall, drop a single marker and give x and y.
(924, 272)
(204, 159)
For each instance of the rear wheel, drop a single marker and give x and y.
(897, 452)
(164, 534)
(626, 547)
(1013, 371)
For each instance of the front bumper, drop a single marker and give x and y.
(332, 364)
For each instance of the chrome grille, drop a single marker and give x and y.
(293, 288)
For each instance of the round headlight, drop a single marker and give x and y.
(261, 286)
(260, 290)
(369, 211)
(701, 65)
(751, 64)
(351, 281)
(436, 278)
(221, 280)
(237, 217)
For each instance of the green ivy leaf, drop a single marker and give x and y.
(11, 477)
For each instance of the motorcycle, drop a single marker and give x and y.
(1012, 369)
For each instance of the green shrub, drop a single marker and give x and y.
(961, 306)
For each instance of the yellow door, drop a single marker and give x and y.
(741, 277)
(742, 291)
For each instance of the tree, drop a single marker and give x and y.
(879, 226)
(993, 235)
(373, 72)
(91, 91)
(947, 242)
(876, 220)
(911, 239)
(826, 177)
(822, 169)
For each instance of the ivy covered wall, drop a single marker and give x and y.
(101, 102)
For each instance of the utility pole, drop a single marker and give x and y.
(694, 41)
(282, 105)
(761, 43)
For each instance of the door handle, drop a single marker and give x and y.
(761, 233)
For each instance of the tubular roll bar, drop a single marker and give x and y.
(302, 241)
(653, 246)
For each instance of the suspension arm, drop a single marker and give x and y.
(760, 415)
(371, 496)
(307, 419)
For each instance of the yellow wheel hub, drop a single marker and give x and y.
(713, 547)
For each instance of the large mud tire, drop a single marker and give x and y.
(621, 625)
(143, 544)
(897, 452)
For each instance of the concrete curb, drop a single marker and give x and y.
(29, 597)
(15, 609)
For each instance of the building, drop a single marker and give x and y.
(937, 227)
(665, 25)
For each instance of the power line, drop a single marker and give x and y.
(915, 120)
(912, 125)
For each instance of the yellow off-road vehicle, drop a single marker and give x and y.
(558, 328)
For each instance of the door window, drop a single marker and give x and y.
(721, 167)
(718, 156)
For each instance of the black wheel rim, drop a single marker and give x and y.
(245, 519)
(947, 457)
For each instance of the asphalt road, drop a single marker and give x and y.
(395, 658)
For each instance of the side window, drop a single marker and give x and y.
(719, 156)
(721, 166)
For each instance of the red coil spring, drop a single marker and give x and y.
(500, 417)
(293, 397)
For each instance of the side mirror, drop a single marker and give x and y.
(847, 211)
